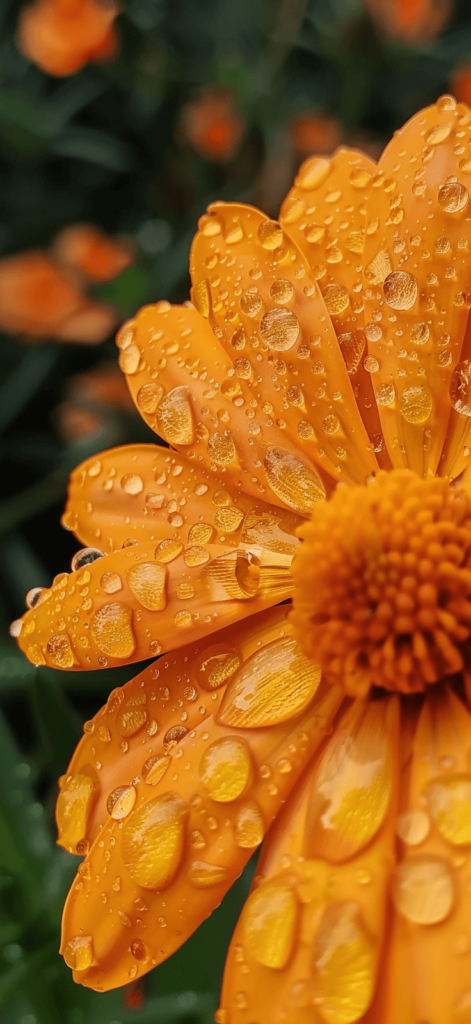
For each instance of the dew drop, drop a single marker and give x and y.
(416, 404)
(121, 802)
(225, 768)
(452, 197)
(174, 417)
(148, 581)
(400, 290)
(148, 398)
(270, 234)
(279, 329)
(423, 890)
(296, 485)
(313, 173)
(152, 841)
(129, 359)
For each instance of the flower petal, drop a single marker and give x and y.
(147, 493)
(258, 292)
(416, 269)
(430, 886)
(325, 214)
(186, 391)
(166, 858)
(312, 932)
(145, 599)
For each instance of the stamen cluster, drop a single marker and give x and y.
(383, 583)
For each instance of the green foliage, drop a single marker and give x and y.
(106, 146)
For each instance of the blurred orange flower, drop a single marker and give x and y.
(40, 299)
(211, 123)
(410, 20)
(60, 36)
(97, 256)
(460, 83)
(312, 132)
(91, 399)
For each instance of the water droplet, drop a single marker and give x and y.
(168, 549)
(154, 769)
(249, 826)
(129, 359)
(196, 555)
(452, 197)
(110, 582)
(216, 666)
(251, 302)
(152, 841)
(336, 299)
(203, 875)
(74, 805)
(269, 921)
(201, 298)
(352, 346)
(121, 802)
(400, 290)
(460, 388)
(279, 329)
(313, 173)
(438, 134)
(355, 241)
(174, 417)
(225, 768)
(229, 519)
(138, 950)
(111, 630)
(413, 827)
(148, 397)
(221, 448)
(274, 684)
(33, 597)
(416, 404)
(270, 234)
(385, 394)
(330, 424)
(344, 964)
(449, 800)
(132, 484)
(360, 177)
(281, 292)
(148, 581)
(78, 953)
(130, 722)
(314, 233)
(85, 557)
(423, 889)
(296, 485)
(174, 735)
(60, 651)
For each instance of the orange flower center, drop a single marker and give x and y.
(383, 583)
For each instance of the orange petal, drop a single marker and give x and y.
(162, 862)
(149, 598)
(325, 213)
(263, 302)
(311, 932)
(147, 493)
(186, 391)
(417, 266)
(430, 887)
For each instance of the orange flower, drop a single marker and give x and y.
(211, 123)
(90, 397)
(461, 83)
(315, 133)
(411, 20)
(91, 252)
(39, 299)
(318, 387)
(60, 36)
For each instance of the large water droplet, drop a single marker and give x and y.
(111, 630)
(269, 921)
(279, 329)
(221, 448)
(74, 805)
(60, 651)
(152, 841)
(148, 581)
(281, 292)
(299, 487)
(132, 483)
(121, 802)
(453, 197)
(225, 769)
(273, 684)
(400, 290)
(313, 172)
(460, 388)
(270, 234)
(174, 417)
(78, 953)
(148, 397)
(129, 359)
(203, 875)
(343, 965)
(423, 889)
(336, 299)
(216, 666)
(154, 769)
(85, 557)
(449, 801)
(249, 826)
(416, 404)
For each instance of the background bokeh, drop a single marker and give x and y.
(197, 100)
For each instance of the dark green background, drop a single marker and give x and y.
(102, 146)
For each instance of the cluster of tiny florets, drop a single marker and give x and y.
(383, 583)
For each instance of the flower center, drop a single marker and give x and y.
(383, 583)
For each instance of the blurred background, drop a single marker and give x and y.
(118, 124)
